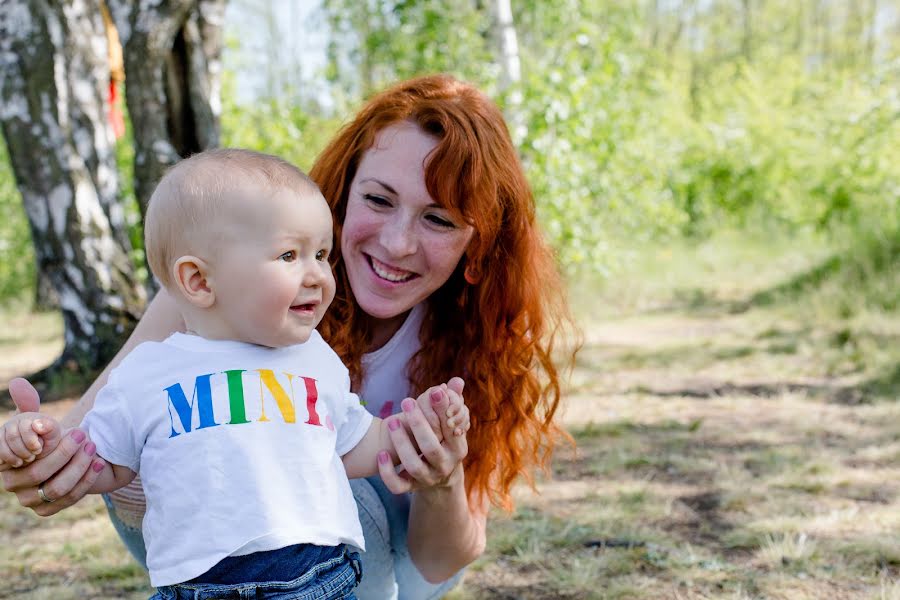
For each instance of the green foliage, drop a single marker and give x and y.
(637, 121)
(17, 263)
(380, 41)
(275, 125)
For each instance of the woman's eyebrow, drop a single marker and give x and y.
(392, 190)
(381, 183)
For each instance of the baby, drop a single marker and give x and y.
(243, 429)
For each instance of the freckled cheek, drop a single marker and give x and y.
(357, 230)
(445, 253)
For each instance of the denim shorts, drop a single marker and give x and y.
(331, 579)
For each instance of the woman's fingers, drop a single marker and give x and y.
(397, 483)
(58, 484)
(425, 438)
(76, 493)
(41, 470)
(406, 449)
(425, 402)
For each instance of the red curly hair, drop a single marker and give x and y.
(508, 320)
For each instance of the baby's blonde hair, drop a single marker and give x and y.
(192, 196)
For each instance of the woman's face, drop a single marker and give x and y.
(398, 245)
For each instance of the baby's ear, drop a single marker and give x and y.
(190, 275)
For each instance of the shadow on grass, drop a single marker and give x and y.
(885, 387)
(854, 271)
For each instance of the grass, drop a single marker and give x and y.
(736, 417)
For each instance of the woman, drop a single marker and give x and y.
(440, 270)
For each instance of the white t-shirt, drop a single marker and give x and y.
(386, 381)
(238, 447)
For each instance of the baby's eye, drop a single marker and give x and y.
(322, 255)
(289, 256)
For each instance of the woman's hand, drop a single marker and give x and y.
(65, 474)
(427, 462)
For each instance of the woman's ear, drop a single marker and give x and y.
(189, 273)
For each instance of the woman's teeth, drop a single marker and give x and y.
(386, 272)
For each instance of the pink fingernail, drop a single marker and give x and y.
(90, 448)
(97, 466)
(383, 457)
(408, 405)
(78, 436)
(394, 424)
(436, 397)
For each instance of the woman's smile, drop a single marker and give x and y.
(388, 272)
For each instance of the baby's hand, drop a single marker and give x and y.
(455, 418)
(457, 414)
(25, 437)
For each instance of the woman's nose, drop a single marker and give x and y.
(398, 237)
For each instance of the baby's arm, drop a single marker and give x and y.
(376, 444)
(111, 478)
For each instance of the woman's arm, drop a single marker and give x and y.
(161, 319)
(66, 473)
(446, 532)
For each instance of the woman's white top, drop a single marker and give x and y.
(386, 370)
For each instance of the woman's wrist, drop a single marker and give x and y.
(454, 481)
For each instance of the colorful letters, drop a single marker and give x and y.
(202, 402)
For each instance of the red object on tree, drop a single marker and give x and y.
(116, 119)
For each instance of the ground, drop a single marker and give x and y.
(726, 446)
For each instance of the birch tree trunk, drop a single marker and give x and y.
(53, 76)
(510, 66)
(172, 52)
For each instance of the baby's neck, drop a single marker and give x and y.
(207, 326)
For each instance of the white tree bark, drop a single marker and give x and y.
(510, 67)
(53, 76)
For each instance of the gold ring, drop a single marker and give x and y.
(44, 496)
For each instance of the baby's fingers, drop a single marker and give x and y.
(13, 436)
(50, 434)
(30, 436)
(457, 413)
(8, 460)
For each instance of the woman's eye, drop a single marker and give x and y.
(288, 256)
(377, 200)
(441, 222)
(322, 255)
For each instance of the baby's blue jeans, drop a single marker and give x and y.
(332, 577)
(389, 573)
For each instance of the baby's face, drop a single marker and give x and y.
(273, 285)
